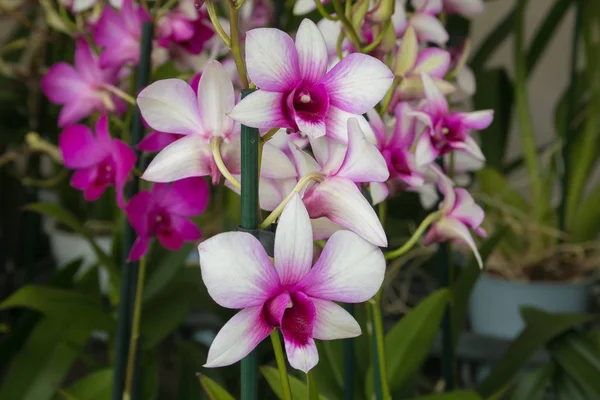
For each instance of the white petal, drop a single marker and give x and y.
(271, 192)
(302, 357)
(429, 28)
(363, 162)
(271, 59)
(323, 228)
(357, 83)
(454, 229)
(275, 163)
(305, 164)
(333, 322)
(302, 7)
(293, 242)
(436, 102)
(350, 270)
(337, 124)
(216, 98)
(425, 153)
(341, 201)
(238, 337)
(236, 270)
(186, 157)
(312, 51)
(330, 30)
(379, 192)
(170, 105)
(471, 147)
(261, 109)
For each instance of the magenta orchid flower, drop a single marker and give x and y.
(100, 160)
(446, 131)
(287, 294)
(164, 212)
(120, 33)
(80, 88)
(338, 169)
(395, 146)
(459, 213)
(297, 91)
(186, 27)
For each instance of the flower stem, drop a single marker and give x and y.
(388, 96)
(283, 375)
(135, 328)
(267, 136)
(347, 24)
(371, 46)
(214, 19)
(216, 151)
(119, 93)
(324, 12)
(279, 209)
(380, 344)
(431, 218)
(234, 34)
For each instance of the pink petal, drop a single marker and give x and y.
(333, 322)
(451, 228)
(276, 307)
(436, 102)
(477, 120)
(276, 164)
(156, 141)
(74, 111)
(170, 241)
(236, 270)
(428, 6)
(215, 98)
(297, 328)
(83, 178)
(312, 51)
(433, 61)
(139, 248)
(261, 109)
(336, 122)
(86, 63)
(466, 210)
(357, 83)
(340, 200)
(429, 29)
(62, 83)
(349, 270)
(79, 148)
(293, 242)
(102, 133)
(94, 191)
(363, 162)
(238, 337)
(185, 158)
(124, 158)
(425, 152)
(404, 130)
(272, 60)
(170, 105)
(378, 127)
(138, 209)
(379, 192)
(187, 197)
(471, 147)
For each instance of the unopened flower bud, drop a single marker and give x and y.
(407, 53)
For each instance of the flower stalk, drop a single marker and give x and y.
(379, 335)
(430, 219)
(135, 328)
(283, 375)
(214, 19)
(216, 151)
(234, 35)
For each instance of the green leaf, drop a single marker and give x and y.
(408, 343)
(586, 224)
(149, 374)
(313, 390)
(579, 359)
(191, 359)
(214, 390)
(456, 395)
(495, 185)
(568, 389)
(299, 389)
(496, 92)
(541, 327)
(95, 386)
(533, 385)
(163, 315)
(543, 35)
(44, 361)
(62, 305)
(163, 271)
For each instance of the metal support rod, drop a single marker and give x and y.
(249, 221)
(130, 269)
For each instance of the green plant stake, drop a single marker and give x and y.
(349, 361)
(249, 203)
(130, 270)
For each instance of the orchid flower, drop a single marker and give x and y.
(335, 194)
(120, 33)
(100, 161)
(77, 6)
(297, 91)
(446, 131)
(164, 211)
(395, 146)
(287, 294)
(80, 88)
(459, 213)
(186, 27)
(424, 21)
(466, 8)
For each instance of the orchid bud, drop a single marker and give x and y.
(412, 88)
(407, 53)
(383, 11)
(359, 11)
(389, 39)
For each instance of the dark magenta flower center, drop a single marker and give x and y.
(159, 223)
(306, 102)
(105, 172)
(293, 313)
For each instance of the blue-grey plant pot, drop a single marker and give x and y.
(495, 302)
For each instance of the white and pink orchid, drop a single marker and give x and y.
(296, 90)
(287, 294)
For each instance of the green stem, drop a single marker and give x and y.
(283, 375)
(216, 152)
(347, 24)
(214, 19)
(371, 46)
(135, 328)
(234, 34)
(380, 344)
(388, 96)
(431, 218)
(324, 12)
